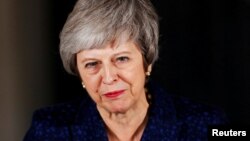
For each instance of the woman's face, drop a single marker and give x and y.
(113, 76)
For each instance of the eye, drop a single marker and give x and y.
(91, 64)
(122, 59)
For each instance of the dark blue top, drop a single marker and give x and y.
(171, 118)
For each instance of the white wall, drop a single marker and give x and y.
(25, 75)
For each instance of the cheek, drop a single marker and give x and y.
(91, 85)
(135, 75)
(137, 71)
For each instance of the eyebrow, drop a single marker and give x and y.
(122, 52)
(92, 58)
(87, 59)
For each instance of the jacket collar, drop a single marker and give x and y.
(162, 123)
(88, 124)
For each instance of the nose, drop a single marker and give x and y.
(109, 75)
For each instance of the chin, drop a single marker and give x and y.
(119, 110)
(119, 107)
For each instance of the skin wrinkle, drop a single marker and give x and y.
(127, 112)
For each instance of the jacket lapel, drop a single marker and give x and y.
(88, 124)
(162, 123)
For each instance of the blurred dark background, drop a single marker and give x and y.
(204, 55)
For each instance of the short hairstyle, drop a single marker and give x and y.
(94, 23)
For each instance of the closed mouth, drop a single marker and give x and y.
(114, 94)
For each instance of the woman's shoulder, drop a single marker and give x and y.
(187, 109)
(191, 110)
(52, 122)
(182, 117)
(57, 114)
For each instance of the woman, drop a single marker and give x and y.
(112, 45)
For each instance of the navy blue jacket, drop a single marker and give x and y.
(170, 119)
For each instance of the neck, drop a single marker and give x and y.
(127, 126)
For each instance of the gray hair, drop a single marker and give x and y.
(94, 23)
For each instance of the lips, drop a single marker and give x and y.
(114, 94)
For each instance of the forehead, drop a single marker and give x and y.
(100, 41)
(111, 49)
